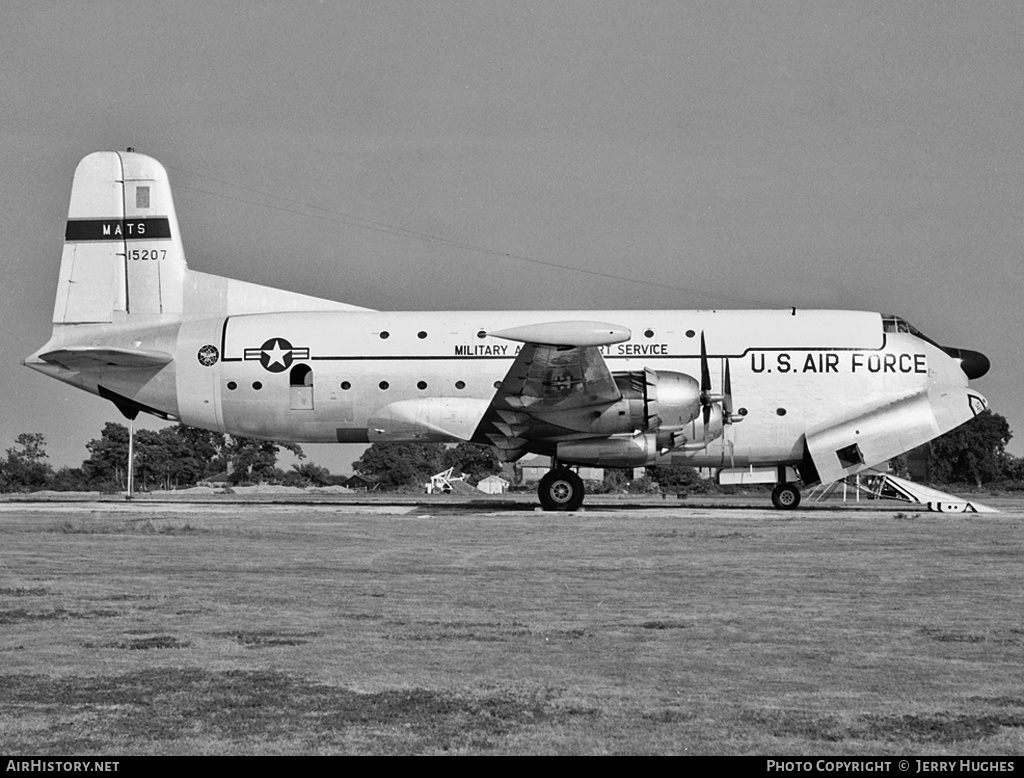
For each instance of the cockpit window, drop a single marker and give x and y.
(892, 323)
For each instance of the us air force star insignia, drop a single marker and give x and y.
(208, 355)
(277, 354)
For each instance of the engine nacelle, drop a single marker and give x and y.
(651, 400)
(669, 400)
(660, 410)
(673, 397)
(624, 451)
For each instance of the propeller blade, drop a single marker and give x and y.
(705, 371)
(705, 384)
(727, 394)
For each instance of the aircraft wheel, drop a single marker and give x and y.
(785, 497)
(561, 490)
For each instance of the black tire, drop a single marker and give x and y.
(785, 497)
(561, 490)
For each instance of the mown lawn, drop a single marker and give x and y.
(325, 628)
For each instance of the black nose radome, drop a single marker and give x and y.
(973, 363)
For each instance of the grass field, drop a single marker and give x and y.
(689, 628)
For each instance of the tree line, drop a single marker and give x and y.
(171, 458)
(180, 456)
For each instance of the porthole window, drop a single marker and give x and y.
(346, 385)
(460, 384)
(481, 334)
(232, 385)
(383, 384)
(742, 411)
(421, 384)
(648, 333)
(421, 334)
(497, 384)
(257, 385)
(690, 333)
(385, 335)
(781, 411)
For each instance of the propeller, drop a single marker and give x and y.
(708, 398)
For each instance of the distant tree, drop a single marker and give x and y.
(70, 479)
(397, 465)
(26, 468)
(1013, 470)
(898, 466)
(616, 479)
(974, 452)
(207, 450)
(252, 460)
(310, 474)
(107, 464)
(174, 457)
(681, 479)
(178, 456)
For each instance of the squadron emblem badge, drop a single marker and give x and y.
(208, 355)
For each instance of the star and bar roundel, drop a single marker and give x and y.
(277, 354)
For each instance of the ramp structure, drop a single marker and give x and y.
(444, 482)
(883, 486)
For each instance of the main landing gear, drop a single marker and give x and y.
(785, 497)
(561, 490)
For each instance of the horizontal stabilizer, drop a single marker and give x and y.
(94, 357)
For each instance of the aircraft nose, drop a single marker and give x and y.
(973, 363)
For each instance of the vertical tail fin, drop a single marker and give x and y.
(122, 250)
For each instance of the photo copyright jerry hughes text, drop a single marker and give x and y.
(892, 765)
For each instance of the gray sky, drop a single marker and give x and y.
(722, 154)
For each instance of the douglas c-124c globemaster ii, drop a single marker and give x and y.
(820, 394)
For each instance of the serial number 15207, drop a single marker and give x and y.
(147, 254)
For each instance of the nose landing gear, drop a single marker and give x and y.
(785, 497)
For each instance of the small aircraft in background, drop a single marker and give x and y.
(821, 394)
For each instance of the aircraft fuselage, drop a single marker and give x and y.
(327, 376)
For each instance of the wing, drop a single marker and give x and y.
(85, 357)
(556, 384)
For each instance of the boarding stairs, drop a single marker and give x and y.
(875, 485)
